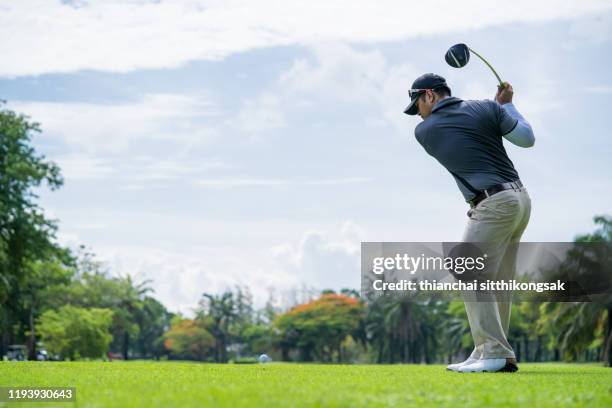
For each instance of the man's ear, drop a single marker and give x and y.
(431, 97)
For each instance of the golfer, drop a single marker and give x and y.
(466, 137)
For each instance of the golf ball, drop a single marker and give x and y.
(264, 358)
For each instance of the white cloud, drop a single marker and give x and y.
(324, 261)
(159, 168)
(180, 277)
(84, 167)
(340, 74)
(92, 226)
(338, 181)
(599, 89)
(137, 172)
(318, 260)
(339, 71)
(68, 239)
(114, 128)
(594, 30)
(259, 115)
(394, 97)
(233, 182)
(543, 96)
(262, 182)
(40, 36)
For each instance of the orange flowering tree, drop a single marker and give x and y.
(317, 328)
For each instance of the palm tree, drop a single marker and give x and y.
(579, 324)
(130, 304)
(404, 329)
(222, 311)
(456, 329)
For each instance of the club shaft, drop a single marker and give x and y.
(488, 65)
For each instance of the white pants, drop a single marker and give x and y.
(498, 222)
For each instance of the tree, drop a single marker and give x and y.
(92, 286)
(257, 339)
(25, 234)
(318, 328)
(188, 339)
(405, 329)
(456, 329)
(129, 306)
(74, 332)
(577, 326)
(153, 321)
(222, 312)
(43, 279)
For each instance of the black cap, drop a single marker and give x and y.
(425, 81)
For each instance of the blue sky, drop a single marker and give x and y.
(206, 144)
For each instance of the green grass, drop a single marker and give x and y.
(170, 384)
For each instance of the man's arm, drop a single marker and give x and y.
(522, 134)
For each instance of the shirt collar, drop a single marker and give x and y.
(451, 100)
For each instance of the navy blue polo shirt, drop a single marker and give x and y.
(466, 138)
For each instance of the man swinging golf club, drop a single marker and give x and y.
(466, 137)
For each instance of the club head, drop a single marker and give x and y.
(458, 55)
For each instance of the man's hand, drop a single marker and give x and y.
(504, 93)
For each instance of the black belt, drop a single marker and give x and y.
(513, 185)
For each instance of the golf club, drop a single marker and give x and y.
(458, 56)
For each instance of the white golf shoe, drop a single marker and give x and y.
(455, 367)
(489, 365)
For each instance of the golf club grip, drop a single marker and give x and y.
(488, 65)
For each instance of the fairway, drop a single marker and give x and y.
(167, 384)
